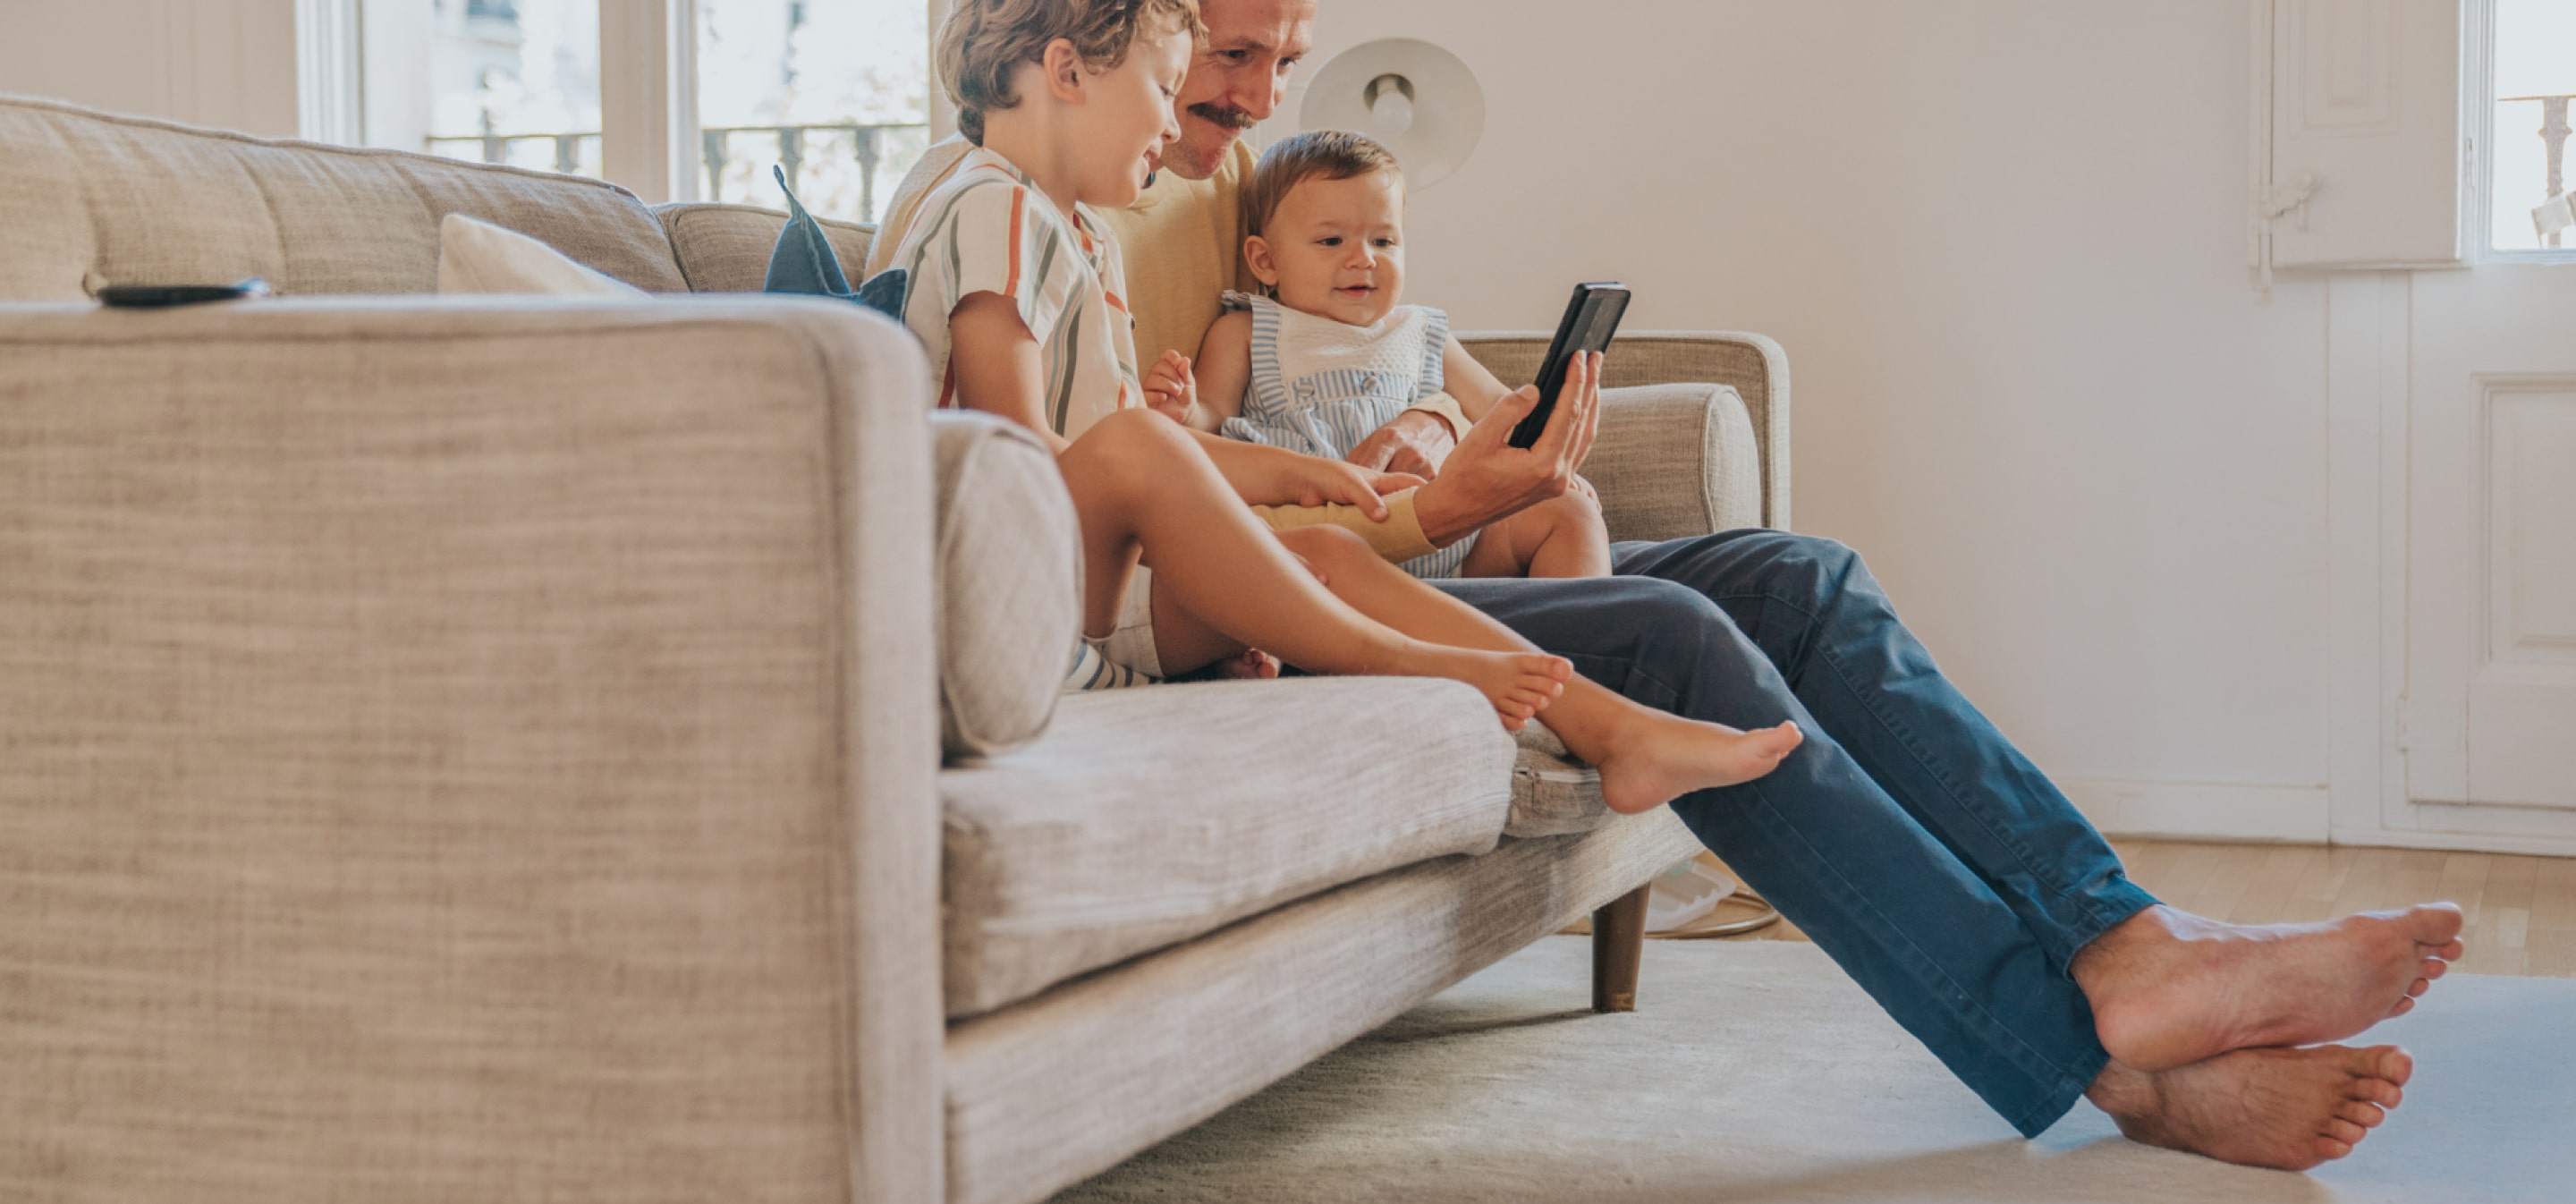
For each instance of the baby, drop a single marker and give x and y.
(1336, 355)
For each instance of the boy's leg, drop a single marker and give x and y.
(1820, 618)
(1140, 482)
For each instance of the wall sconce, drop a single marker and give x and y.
(1417, 98)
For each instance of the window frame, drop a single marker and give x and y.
(2477, 179)
(648, 84)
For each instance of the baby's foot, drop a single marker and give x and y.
(1663, 758)
(1251, 664)
(1519, 684)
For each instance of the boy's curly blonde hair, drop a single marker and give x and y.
(984, 41)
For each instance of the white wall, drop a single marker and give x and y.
(2003, 241)
(224, 63)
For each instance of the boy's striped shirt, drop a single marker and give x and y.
(989, 229)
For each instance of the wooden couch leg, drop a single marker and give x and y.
(1618, 942)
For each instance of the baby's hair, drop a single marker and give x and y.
(984, 41)
(1325, 154)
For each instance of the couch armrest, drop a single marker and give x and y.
(1753, 365)
(467, 750)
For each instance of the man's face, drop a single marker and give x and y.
(1238, 77)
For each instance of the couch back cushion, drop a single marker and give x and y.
(95, 198)
(725, 248)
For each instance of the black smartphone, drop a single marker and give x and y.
(1591, 320)
(164, 296)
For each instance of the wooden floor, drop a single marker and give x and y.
(2521, 910)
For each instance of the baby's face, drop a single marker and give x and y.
(1335, 249)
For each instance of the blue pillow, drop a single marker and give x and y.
(804, 263)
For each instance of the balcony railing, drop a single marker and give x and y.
(715, 147)
(2553, 134)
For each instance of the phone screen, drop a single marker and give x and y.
(1591, 320)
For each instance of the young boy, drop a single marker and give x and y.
(1334, 354)
(1015, 293)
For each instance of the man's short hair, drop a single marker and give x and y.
(984, 41)
(1316, 154)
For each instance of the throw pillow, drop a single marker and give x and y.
(479, 257)
(804, 263)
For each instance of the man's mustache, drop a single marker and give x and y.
(1224, 117)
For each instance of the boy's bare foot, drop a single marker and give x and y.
(1519, 684)
(2289, 1109)
(1663, 758)
(2170, 988)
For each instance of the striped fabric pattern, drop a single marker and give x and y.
(1320, 386)
(1093, 670)
(988, 229)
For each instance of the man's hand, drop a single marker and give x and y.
(1488, 479)
(1415, 442)
(1171, 389)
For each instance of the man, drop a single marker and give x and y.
(1907, 837)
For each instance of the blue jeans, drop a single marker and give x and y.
(1923, 853)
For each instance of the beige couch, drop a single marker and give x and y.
(489, 750)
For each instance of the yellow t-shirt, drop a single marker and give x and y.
(1182, 242)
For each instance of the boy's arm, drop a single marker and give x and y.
(996, 365)
(1224, 371)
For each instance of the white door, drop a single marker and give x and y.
(2489, 721)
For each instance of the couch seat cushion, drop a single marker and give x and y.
(1146, 817)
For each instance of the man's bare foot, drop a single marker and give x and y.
(2284, 1108)
(1659, 759)
(1519, 684)
(2169, 988)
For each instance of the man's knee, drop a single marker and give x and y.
(1672, 619)
(1809, 570)
(1680, 646)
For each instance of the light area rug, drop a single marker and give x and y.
(1755, 1071)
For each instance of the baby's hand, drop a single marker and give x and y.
(1170, 389)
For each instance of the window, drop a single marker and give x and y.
(837, 92)
(2534, 77)
(496, 81)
